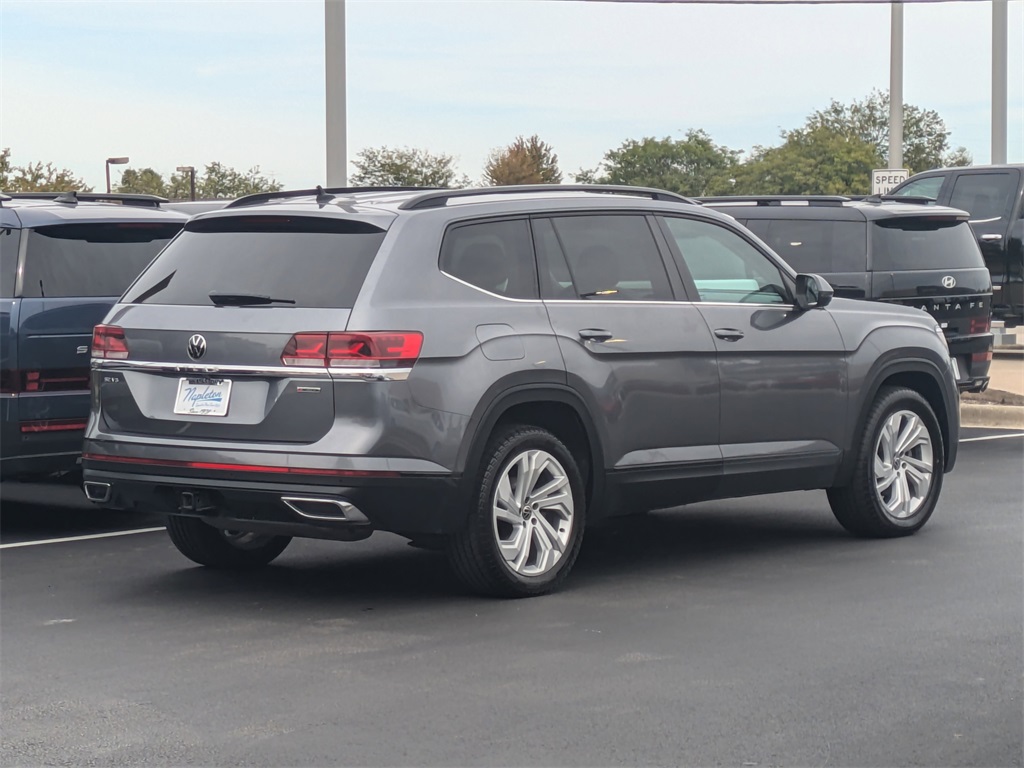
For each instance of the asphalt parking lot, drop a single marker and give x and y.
(752, 632)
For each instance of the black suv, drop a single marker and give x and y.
(901, 252)
(64, 260)
(994, 196)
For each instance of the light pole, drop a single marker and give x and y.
(334, 65)
(191, 178)
(113, 161)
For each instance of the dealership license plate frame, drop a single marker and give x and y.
(203, 403)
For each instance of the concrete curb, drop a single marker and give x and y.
(981, 415)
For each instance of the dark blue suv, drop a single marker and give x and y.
(64, 261)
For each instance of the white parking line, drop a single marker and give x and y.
(990, 437)
(78, 538)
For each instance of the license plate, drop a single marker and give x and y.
(956, 368)
(203, 397)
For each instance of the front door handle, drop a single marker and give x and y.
(595, 334)
(728, 334)
(991, 238)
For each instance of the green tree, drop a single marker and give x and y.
(37, 177)
(142, 182)
(693, 165)
(524, 161)
(179, 186)
(925, 138)
(811, 161)
(405, 167)
(220, 181)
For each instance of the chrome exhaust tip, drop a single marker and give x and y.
(98, 493)
(334, 510)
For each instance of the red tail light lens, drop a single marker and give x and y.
(980, 324)
(391, 349)
(309, 349)
(386, 349)
(108, 343)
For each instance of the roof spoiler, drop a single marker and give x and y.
(764, 200)
(73, 197)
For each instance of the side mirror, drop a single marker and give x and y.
(812, 291)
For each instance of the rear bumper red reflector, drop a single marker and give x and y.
(222, 467)
(53, 425)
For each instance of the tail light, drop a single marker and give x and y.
(383, 349)
(14, 382)
(982, 357)
(980, 324)
(109, 343)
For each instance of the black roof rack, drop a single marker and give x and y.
(440, 199)
(911, 199)
(73, 197)
(323, 195)
(775, 199)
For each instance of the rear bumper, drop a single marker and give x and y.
(408, 505)
(974, 358)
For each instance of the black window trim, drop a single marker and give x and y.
(787, 272)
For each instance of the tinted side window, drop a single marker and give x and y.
(612, 258)
(724, 266)
(496, 256)
(928, 187)
(819, 246)
(983, 195)
(902, 244)
(9, 241)
(90, 259)
(304, 260)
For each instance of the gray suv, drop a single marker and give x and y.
(488, 371)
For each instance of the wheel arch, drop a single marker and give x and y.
(921, 375)
(554, 407)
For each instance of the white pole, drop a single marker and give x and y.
(334, 65)
(999, 68)
(896, 88)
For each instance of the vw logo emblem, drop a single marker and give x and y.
(196, 347)
(948, 281)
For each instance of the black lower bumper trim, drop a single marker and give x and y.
(410, 506)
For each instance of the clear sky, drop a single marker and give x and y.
(185, 83)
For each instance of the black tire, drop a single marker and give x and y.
(474, 552)
(857, 506)
(212, 547)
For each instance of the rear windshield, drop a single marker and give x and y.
(296, 261)
(814, 246)
(903, 244)
(66, 260)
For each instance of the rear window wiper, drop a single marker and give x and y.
(244, 299)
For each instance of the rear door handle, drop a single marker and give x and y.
(728, 334)
(993, 238)
(595, 334)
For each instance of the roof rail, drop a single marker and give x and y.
(911, 199)
(775, 199)
(323, 195)
(440, 199)
(72, 197)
